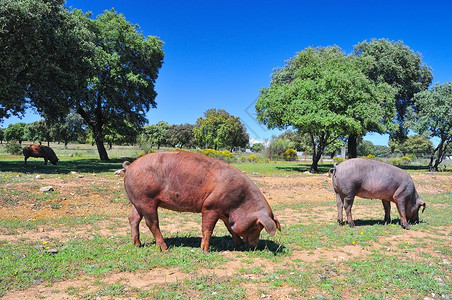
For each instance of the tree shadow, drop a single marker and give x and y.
(63, 167)
(381, 222)
(220, 244)
(323, 168)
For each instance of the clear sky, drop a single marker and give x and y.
(219, 54)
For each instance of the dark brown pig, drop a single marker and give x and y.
(40, 151)
(373, 179)
(191, 182)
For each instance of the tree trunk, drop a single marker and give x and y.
(315, 163)
(315, 156)
(101, 147)
(441, 149)
(352, 146)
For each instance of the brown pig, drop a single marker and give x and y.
(373, 179)
(191, 182)
(40, 151)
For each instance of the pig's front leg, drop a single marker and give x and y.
(209, 219)
(387, 207)
(238, 242)
(400, 202)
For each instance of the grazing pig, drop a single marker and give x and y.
(40, 151)
(373, 179)
(191, 182)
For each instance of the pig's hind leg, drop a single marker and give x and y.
(134, 221)
(348, 203)
(152, 221)
(340, 208)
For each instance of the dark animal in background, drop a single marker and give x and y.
(40, 151)
(373, 179)
(191, 182)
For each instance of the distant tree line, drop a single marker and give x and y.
(414, 146)
(217, 129)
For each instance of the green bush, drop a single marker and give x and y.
(253, 158)
(290, 155)
(13, 148)
(338, 159)
(370, 156)
(405, 160)
(223, 155)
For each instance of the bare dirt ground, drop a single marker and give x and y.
(77, 197)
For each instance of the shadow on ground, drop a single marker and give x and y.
(219, 244)
(305, 168)
(63, 167)
(380, 222)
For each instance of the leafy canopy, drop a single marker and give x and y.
(324, 93)
(435, 117)
(220, 129)
(44, 56)
(397, 65)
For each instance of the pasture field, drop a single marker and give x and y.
(74, 242)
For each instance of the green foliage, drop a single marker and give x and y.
(16, 132)
(257, 147)
(280, 145)
(435, 117)
(338, 159)
(13, 148)
(39, 131)
(325, 94)
(57, 60)
(397, 65)
(125, 69)
(382, 151)
(224, 155)
(402, 161)
(44, 57)
(419, 145)
(153, 135)
(220, 129)
(290, 155)
(180, 136)
(365, 148)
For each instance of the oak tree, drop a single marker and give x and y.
(324, 93)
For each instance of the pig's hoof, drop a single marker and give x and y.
(340, 222)
(162, 248)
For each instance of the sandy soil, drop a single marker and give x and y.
(78, 197)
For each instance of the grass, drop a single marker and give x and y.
(369, 261)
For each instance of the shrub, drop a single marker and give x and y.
(370, 156)
(338, 159)
(13, 148)
(290, 155)
(405, 160)
(224, 155)
(253, 158)
(395, 161)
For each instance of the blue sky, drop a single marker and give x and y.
(218, 54)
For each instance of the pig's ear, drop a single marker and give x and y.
(422, 203)
(269, 225)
